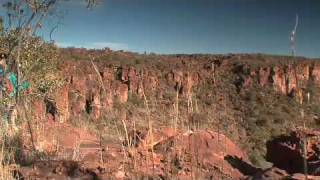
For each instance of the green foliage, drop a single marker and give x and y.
(170, 94)
(1, 25)
(135, 100)
(38, 65)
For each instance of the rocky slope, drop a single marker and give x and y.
(91, 91)
(167, 154)
(250, 99)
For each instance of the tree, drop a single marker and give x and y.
(293, 37)
(30, 57)
(26, 51)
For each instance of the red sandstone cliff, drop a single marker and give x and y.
(83, 92)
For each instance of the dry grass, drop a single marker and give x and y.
(7, 153)
(6, 169)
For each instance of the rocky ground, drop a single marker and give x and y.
(131, 116)
(200, 154)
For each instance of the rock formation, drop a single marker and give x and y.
(287, 152)
(83, 93)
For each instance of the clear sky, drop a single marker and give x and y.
(193, 26)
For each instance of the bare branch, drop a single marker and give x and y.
(293, 37)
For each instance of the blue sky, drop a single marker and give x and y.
(192, 26)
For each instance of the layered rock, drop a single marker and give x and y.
(289, 152)
(62, 105)
(167, 154)
(291, 79)
(83, 93)
(316, 73)
(121, 93)
(87, 91)
(90, 92)
(211, 151)
(173, 154)
(264, 76)
(279, 174)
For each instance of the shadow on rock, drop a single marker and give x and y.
(287, 152)
(244, 167)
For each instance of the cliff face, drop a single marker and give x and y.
(85, 92)
(291, 79)
(94, 92)
(246, 99)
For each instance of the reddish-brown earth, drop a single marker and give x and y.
(167, 154)
(211, 118)
(83, 87)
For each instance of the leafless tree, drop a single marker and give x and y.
(293, 37)
(92, 3)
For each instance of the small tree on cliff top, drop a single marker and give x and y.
(30, 57)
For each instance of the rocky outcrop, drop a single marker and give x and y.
(287, 152)
(213, 85)
(279, 80)
(264, 76)
(303, 73)
(209, 150)
(270, 174)
(279, 174)
(61, 141)
(316, 73)
(165, 154)
(87, 91)
(174, 154)
(62, 105)
(290, 79)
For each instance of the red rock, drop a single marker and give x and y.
(107, 101)
(270, 174)
(298, 176)
(279, 80)
(190, 80)
(60, 139)
(150, 81)
(124, 74)
(133, 80)
(79, 84)
(299, 95)
(177, 76)
(84, 85)
(187, 83)
(108, 74)
(208, 149)
(248, 82)
(39, 110)
(62, 103)
(96, 106)
(291, 79)
(121, 92)
(286, 152)
(264, 76)
(316, 73)
(303, 74)
(120, 175)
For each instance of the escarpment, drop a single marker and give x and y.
(221, 112)
(88, 91)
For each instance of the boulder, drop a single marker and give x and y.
(287, 152)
